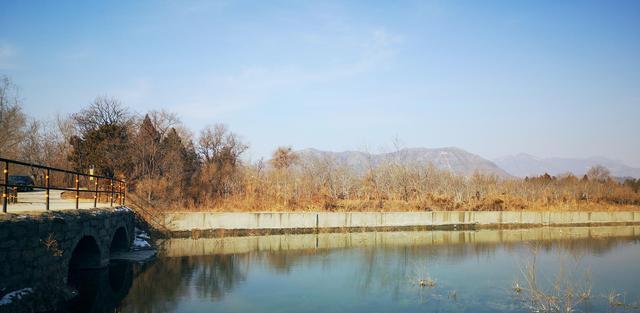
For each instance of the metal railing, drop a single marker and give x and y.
(114, 189)
(145, 210)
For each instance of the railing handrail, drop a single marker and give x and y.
(156, 217)
(44, 167)
(120, 191)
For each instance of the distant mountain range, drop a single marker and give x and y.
(465, 163)
(453, 159)
(522, 165)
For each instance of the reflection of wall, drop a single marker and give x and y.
(187, 221)
(229, 245)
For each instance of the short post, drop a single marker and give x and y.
(119, 193)
(120, 189)
(77, 191)
(5, 192)
(112, 192)
(46, 185)
(124, 192)
(96, 195)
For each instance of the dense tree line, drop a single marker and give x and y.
(170, 168)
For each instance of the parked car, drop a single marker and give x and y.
(22, 182)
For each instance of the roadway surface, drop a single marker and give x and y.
(34, 202)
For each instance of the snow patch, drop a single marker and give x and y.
(15, 295)
(143, 235)
(140, 243)
(122, 209)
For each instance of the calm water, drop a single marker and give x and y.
(472, 271)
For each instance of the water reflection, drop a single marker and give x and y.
(371, 272)
(482, 239)
(99, 290)
(157, 288)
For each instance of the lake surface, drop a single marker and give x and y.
(426, 271)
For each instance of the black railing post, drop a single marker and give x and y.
(77, 191)
(120, 189)
(119, 193)
(5, 192)
(96, 195)
(111, 192)
(46, 184)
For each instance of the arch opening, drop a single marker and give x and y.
(86, 254)
(120, 241)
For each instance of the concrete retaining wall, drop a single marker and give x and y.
(188, 221)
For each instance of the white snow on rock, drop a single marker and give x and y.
(15, 295)
(140, 243)
(141, 240)
(141, 234)
(122, 208)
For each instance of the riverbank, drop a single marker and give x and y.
(195, 224)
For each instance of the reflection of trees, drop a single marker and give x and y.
(593, 245)
(282, 261)
(159, 285)
(156, 287)
(215, 275)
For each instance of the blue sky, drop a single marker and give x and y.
(550, 78)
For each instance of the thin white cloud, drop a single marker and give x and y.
(8, 56)
(256, 85)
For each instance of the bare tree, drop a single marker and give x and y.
(103, 138)
(103, 111)
(163, 121)
(217, 143)
(31, 148)
(598, 173)
(220, 151)
(12, 119)
(283, 158)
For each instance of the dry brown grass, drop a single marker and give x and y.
(322, 186)
(247, 205)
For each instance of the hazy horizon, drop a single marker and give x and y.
(498, 78)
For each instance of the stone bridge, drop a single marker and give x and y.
(40, 250)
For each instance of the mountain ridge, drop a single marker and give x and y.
(454, 159)
(522, 164)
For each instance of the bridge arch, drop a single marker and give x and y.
(119, 240)
(86, 254)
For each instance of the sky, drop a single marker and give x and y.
(549, 78)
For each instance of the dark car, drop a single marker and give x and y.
(21, 182)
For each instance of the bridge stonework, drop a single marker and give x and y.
(37, 251)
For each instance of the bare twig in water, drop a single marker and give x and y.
(614, 299)
(422, 278)
(453, 295)
(564, 294)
